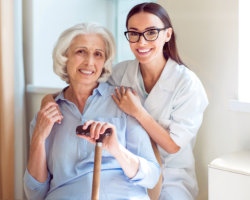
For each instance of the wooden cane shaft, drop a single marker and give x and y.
(97, 171)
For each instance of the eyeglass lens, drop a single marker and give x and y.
(149, 35)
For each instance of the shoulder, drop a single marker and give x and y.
(122, 70)
(106, 89)
(122, 66)
(183, 76)
(188, 84)
(180, 72)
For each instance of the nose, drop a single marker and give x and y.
(142, 40)
(90, 60)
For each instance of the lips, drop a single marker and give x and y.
(86, 72)
(143, 51)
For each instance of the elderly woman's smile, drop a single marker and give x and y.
(86, 58)
(86, 72)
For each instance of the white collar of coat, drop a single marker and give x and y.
(164, 82)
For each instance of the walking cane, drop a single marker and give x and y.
(98, 158)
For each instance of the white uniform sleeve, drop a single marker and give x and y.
(187, 112)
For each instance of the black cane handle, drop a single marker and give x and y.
(80, 131)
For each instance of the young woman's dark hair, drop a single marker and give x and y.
(170, 48)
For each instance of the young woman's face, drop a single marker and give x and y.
(145, 51)
(86, 58)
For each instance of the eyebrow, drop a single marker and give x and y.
(148, 28)
(83, 47)
(101, 50)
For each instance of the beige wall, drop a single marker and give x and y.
(207, 34)
(207, 37)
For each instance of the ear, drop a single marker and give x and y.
(168, 34)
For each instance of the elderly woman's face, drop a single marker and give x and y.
(86, 58)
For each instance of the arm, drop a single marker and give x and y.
(37, 173)
(136, 159)
(185, 120)
(162, 137)
(37, 165)
(129, 102)
(128, 161)
(138, 142)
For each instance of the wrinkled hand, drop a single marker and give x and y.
(46, 118)
(128, 101)
(49, 98)
(109, 143)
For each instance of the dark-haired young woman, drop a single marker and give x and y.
(164, 95)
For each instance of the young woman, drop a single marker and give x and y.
(164, 95)
(60, 164)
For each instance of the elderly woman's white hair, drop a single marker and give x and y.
(64, 41)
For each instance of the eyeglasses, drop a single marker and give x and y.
(149, 35)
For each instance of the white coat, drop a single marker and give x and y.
(177, 102)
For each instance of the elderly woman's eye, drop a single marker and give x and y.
(98, 54)
(81, 51)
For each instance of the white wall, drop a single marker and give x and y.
(45, 20)
(207, 37)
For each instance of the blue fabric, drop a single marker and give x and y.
(70, 158)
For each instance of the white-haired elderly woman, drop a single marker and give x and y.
(60, 164)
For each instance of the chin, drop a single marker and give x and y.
(144, 60)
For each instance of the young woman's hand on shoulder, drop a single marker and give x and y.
(128, 101)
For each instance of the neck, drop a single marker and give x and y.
(151, 73)
(78, 95)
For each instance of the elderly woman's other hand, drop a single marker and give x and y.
(49, 98)
(46, 118)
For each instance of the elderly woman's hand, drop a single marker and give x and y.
(110, 143)
(49, 98)
(46, 118)
(128, 161)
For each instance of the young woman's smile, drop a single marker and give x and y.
(147, 51)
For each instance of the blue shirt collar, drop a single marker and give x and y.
(100, 90)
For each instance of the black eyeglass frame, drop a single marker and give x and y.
(142, 34)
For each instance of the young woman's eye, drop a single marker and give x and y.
(151, 32)
(132, 33)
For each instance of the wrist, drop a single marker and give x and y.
(118, 151)
(140, 114)
(37, 139)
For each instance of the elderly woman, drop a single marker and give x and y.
(60, 164)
